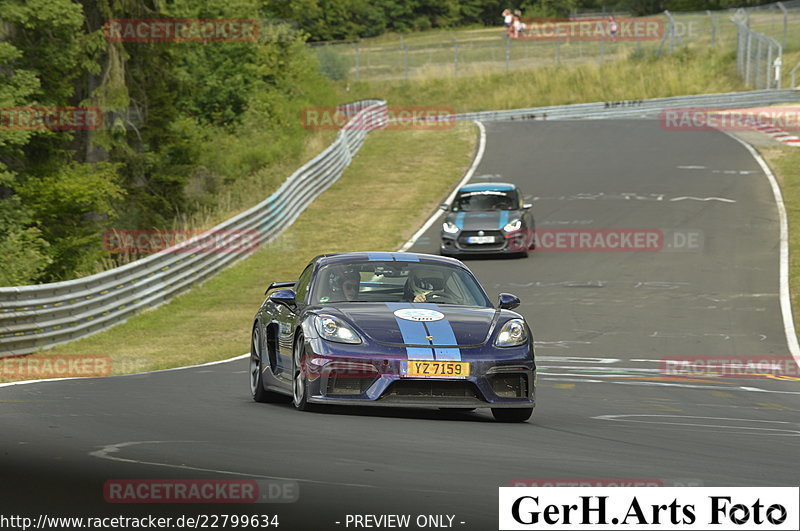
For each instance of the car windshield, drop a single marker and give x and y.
(379, 281)
(485, 200)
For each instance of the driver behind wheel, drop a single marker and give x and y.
(418, 288)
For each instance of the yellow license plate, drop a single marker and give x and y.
(438, 369)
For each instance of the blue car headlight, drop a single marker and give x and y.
(512, 334)
(334, 329)
(449, 228)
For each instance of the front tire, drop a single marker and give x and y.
(512, 415)
(299, 379)
(257, 390)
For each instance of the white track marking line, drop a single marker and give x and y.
(723, 199)
(576, 378)
(478, 156)
(207, 364)
(106, 451)
(627, 418)
(786, 301)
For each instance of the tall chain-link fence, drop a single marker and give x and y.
(759, 57)
(583, 37)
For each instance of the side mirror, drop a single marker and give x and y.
(507, 301)
(527, 206)
(285, 297)
(444, 206)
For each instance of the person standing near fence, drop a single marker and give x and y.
(613, 27)
(516, 24)
(507, 18)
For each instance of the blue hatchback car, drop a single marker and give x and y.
(487, 218)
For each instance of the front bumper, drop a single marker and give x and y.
(340, 374)
(515, 242)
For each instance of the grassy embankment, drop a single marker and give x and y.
(642, 77)
(785, 163)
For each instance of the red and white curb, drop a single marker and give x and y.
(780, 135)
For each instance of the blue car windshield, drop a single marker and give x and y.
(379, 281)
(485, 200)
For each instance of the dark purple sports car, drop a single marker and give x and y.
(392, 329)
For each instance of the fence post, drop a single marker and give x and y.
(769, 66)
(740, 48)
(405, 59)
(455, 56)
(358, 62)
(785, 21)
(747, 57)
(713, 29)
(672, 32)
(758, 64)
(508, 52)
(602, 47)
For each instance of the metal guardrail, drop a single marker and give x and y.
(635, 108)
(36, 317)
(40, 316)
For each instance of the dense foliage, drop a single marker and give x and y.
(180, 121)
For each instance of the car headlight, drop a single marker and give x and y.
(512, 334)
(450, 228)
(334, 329)
(513, 225)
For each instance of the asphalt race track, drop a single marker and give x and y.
(602, 321)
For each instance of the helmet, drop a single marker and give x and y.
(346, 283)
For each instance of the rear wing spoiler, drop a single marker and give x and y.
(285, 284)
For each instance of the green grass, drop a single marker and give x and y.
(790, 60)
(785, 163)
(683, 73)
(365, 210)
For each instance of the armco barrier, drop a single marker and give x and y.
(36, 317)
(636, 108)
(40, 316)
